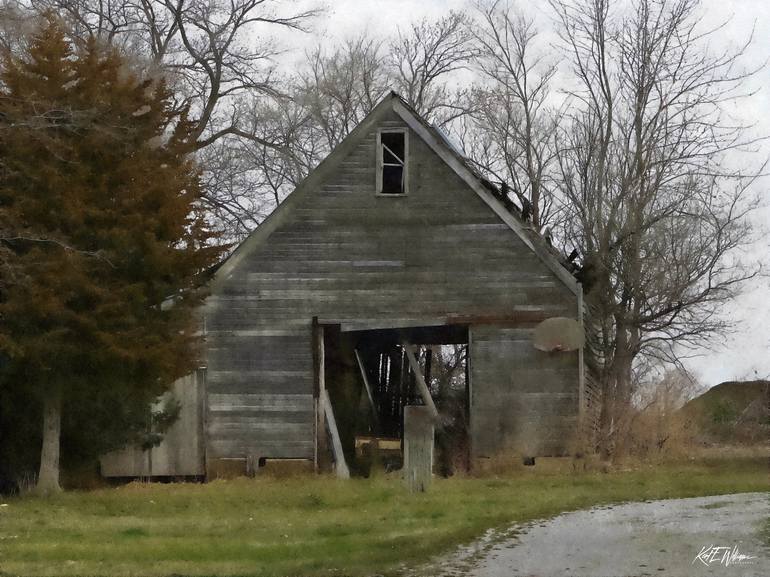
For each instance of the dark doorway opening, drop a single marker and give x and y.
(370, 379)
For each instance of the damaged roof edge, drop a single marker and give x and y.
(437, 141)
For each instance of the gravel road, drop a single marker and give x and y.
(677, 537)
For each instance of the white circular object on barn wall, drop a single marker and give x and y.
(558, 334)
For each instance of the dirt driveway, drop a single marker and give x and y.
(680, 537)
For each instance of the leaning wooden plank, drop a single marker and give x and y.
(368, 389)
(421, 385)
(340, 466)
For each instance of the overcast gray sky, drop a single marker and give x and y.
(743, 354)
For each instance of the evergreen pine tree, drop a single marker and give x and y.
(102, 237)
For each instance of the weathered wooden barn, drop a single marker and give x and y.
(392, 239)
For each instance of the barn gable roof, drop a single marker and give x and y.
(440, 145)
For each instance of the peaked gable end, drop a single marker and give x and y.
(390, 107)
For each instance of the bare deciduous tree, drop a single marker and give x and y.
(513, 108)
(338, 88)
(423, 58)
(16, 26)
(646, 186)
(216, 54)
(272, 172)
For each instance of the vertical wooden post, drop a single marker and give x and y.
(469, 409)
(319, 389)
(418, 448)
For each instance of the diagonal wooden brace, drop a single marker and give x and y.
(421, 384)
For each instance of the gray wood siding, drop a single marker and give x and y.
(347, 255)
(180, 453)
(522, 400)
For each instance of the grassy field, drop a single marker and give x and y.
(315, 526)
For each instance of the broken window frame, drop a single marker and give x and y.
(381, 163)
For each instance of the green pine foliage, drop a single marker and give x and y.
(102, 241)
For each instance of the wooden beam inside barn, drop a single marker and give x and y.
(421, 384)
(367, 387)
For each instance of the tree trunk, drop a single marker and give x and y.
(604, 445)
(616, 394)
(48, 479)
(622, 409)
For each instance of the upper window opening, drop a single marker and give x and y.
(392, 163)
